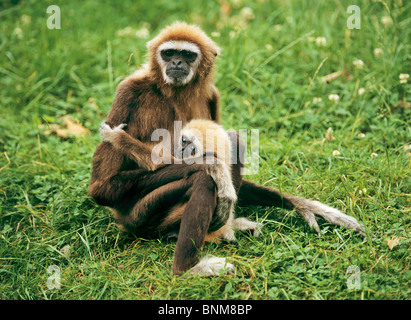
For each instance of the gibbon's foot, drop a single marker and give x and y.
(243, 224)
(227, 232)
(212, 266)
(228, 235)
(311, 208)
(106, 131)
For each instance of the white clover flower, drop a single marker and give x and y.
(247, 13)
(238, 22)
(361, 135)
(142, 33)
(25, 19)
(362, 191)
(320, 41)
(404, 77)
(333, 97)
(374, 155)
(361, 91)
(317, 100)
(18, 32)
(358, 63)
(269, 46)
(377, 52)
(386, 21)
(127, 31)
(65, 250)
(336, 153)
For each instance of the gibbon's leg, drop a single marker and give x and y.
(195, 222)
(159, 192)
(251, 193)
(254, 194)
(196, 218)
(242, 224)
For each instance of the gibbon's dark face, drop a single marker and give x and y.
(179, 61)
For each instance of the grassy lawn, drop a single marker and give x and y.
(275, 55)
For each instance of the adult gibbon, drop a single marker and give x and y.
(176, 84)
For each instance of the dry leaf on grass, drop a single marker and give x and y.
(393, 242)
(73, 127)
(332, 76)
(335, 75)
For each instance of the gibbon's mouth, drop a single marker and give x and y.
(177, 73)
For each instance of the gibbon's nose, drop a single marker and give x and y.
(177, 63)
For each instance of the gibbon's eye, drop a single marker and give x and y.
(184, 140)
(193, 150)
(169, 52)
(188, 55)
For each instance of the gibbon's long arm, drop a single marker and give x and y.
(133, 148)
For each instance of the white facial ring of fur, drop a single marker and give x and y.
(180, 46)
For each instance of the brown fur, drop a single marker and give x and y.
(204, 130)
(142, 200)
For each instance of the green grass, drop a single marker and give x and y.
(268, 74)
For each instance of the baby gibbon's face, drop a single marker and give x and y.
(191, 146)
(204, 138)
